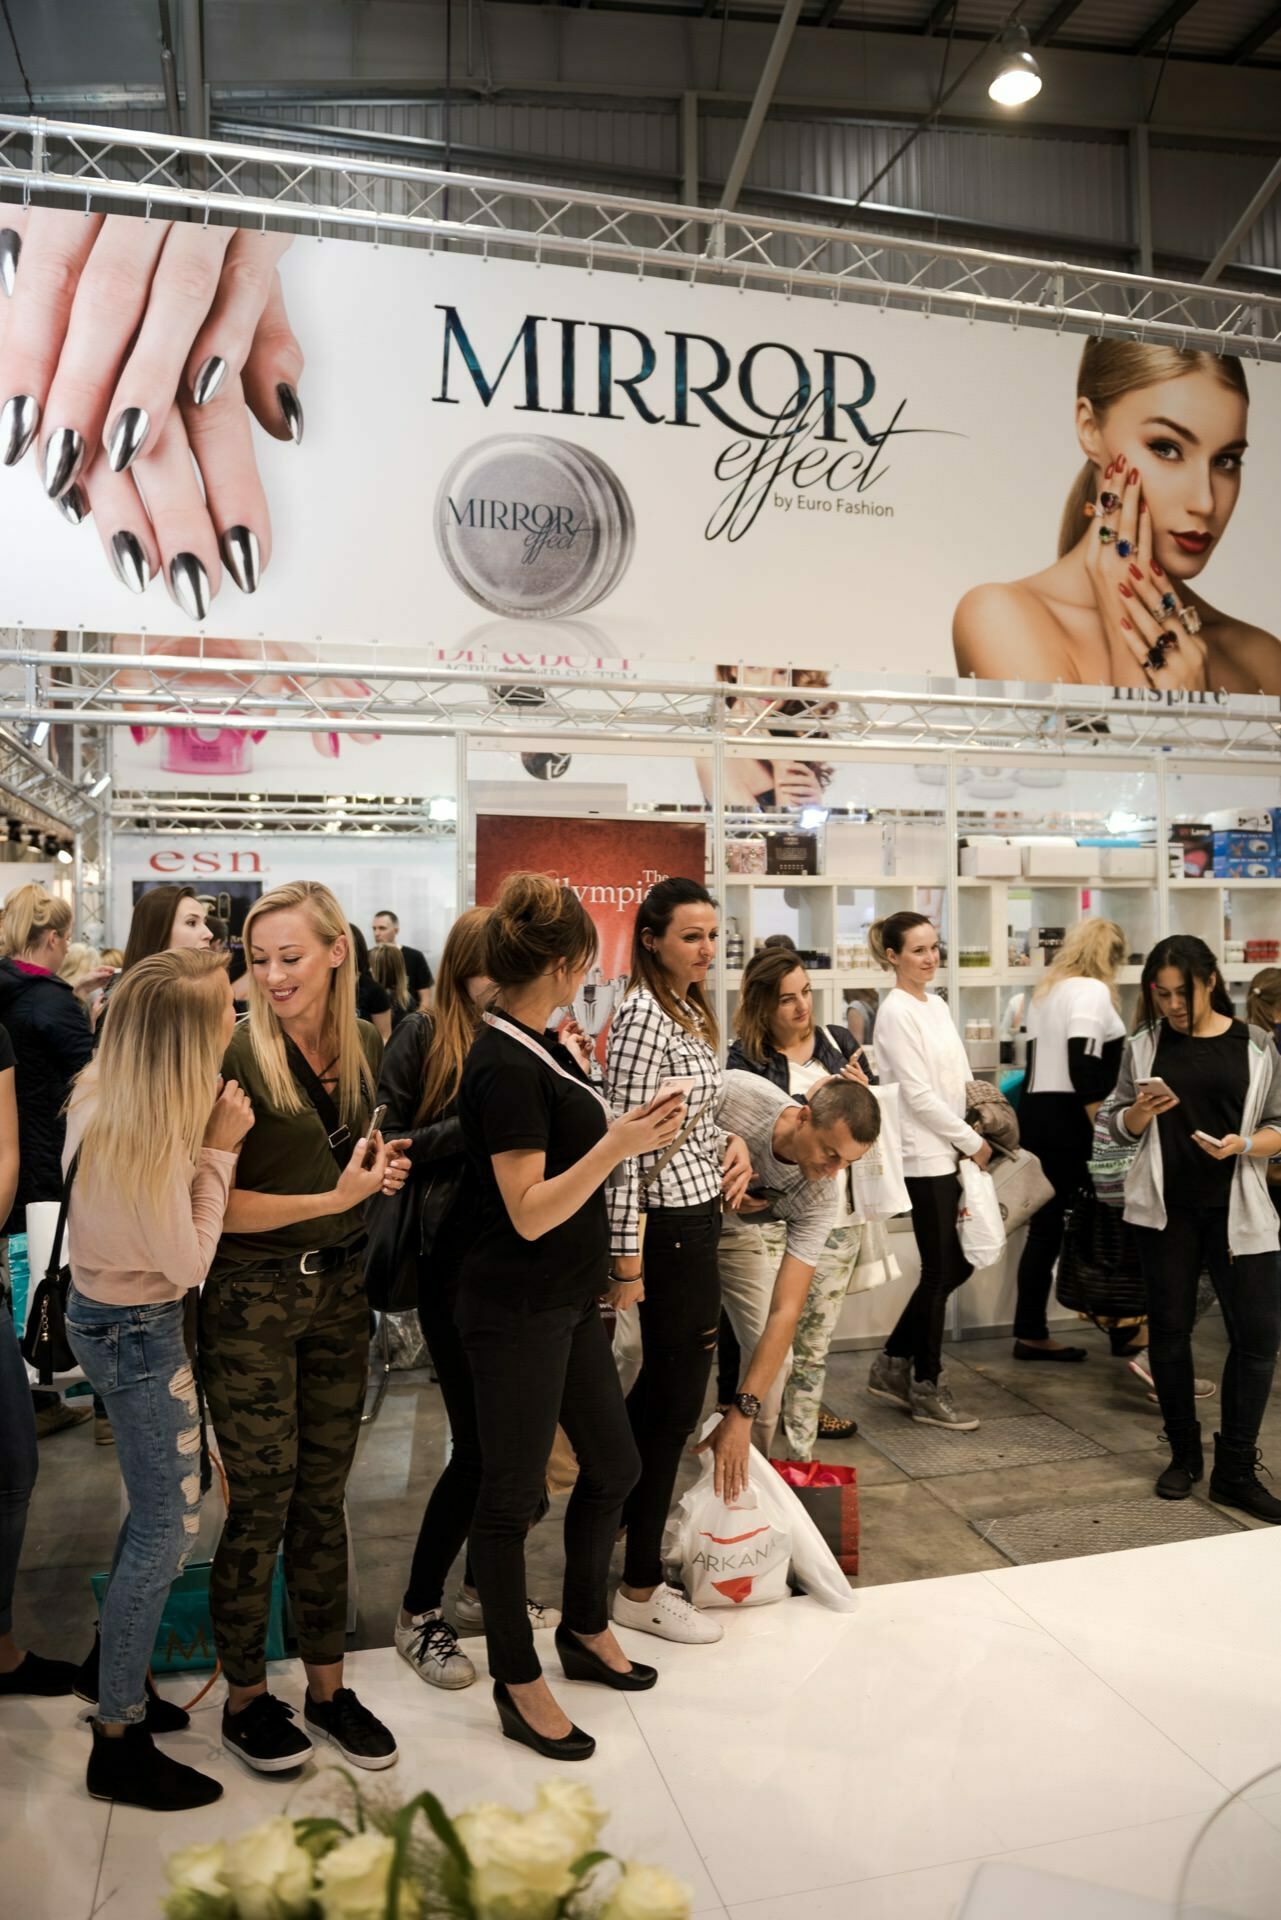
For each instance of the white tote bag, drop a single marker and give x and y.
(877, 1179)
(978, 1218)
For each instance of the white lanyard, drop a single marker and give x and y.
(500, 1025)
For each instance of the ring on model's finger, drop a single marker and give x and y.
(1109, 502)
(1189, 619)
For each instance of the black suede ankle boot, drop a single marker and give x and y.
(131, 1769)
(1235, 1480)
(1187, 1462)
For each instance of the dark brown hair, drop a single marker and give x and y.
(850, 1102)
(887, 936)
(152, 923)
(654, 917)
(536, 922)
(1191, 958)
(763, 978)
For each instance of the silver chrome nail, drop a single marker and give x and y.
(190, 584)
(64, 455)
(129, 558)
(19, 424)
(73, 505)
(291, 408)
(239, 547)
(209, 379)
(10, 248)
(129, 430)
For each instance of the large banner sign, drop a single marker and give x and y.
(385, 451)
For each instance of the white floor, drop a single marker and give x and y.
(1078, 1720)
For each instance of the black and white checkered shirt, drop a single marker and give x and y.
(646, 1047)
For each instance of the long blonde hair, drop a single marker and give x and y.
(1092, 950)
(387, 965)
(1112, 368)
(30, 912)
(355, 1082)
(155, 1075)
(455, 1018)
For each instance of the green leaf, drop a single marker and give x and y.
(320, 1836)
(584, 1866)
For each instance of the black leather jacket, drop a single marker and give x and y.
(51, 1043)
(775, 1066)
(437, 1150)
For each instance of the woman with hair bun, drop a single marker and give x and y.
(1163, 431)
(918, 1047)
(542, 1146)
(1075, 1035)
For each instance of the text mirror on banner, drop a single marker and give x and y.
(652, 474)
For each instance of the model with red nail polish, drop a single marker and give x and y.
(1163, 431)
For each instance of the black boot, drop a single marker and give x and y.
(163, 1716)
(1187, 1463)
(132, 1770)
(1235, 1481)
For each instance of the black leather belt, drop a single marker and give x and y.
(314, 1262)
(701, 1210)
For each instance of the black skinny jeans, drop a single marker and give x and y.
(1066, 1165)
(453, 1498)
(679, 1317)
(1249, 1290)
(534, 1366)
(919, 1333)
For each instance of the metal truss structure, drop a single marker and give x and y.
(104, 689)
(390, 815)
(69, 164)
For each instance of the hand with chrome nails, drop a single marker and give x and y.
(1140, 630)
(130, 349)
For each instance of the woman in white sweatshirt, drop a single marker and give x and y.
(919, 1049)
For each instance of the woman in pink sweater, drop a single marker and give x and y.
(150, 1158)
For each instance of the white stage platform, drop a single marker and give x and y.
(1078, 1720)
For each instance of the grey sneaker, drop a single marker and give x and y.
(470, 1615)
(933, 1406)
(891, 1380)
(431, 1647)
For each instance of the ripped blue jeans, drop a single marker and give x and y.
(135, 1357)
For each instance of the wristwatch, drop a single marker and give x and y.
(748, 1405)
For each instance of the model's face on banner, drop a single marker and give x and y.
(1186, 439)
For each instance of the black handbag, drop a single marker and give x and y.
(1099, 1270)
(393, 1251)
(44, 1343)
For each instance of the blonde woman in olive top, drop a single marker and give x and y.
(284, 1325)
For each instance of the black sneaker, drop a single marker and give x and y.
(163, 1716)
(36, 1675)
(134, 1773)
(264, 1735)
(352, 1729)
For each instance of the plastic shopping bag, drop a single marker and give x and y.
(877, 1179)
(813, 1565)
(978, 1219)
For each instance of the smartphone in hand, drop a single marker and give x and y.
(376, 1119)
(682, 1083)
(1211, 1140)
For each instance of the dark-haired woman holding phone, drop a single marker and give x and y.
(1200, 1091)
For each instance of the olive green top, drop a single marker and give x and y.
(288, 1153)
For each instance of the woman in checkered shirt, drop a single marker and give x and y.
(666, 1029)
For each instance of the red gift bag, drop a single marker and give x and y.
(830, 1497)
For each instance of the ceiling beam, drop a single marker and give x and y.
(938, 15)
(1059, 18)
(1258, 37)
(761, 102)
(1167, 22)
(1258, 200)
(830, 10)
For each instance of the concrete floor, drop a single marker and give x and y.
(912, 1528)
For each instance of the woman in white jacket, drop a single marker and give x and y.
(919, 1049)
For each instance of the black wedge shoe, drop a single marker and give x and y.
(578, 1662)
(576, 1744)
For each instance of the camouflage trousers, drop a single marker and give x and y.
(803, 1393)
(284, 1360)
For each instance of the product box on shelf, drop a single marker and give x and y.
(1243, 846)
(1058, 860)
(1197, 842)
(791, 853)
(1246, 820)
(745, 855)
(1228, 869)
(1127, 863)
(991, 860)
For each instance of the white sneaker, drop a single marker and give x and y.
(668, 1614)
(1202, 1389)
(470, 1615)
(431, 1647)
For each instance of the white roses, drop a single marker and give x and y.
(522, 1863)
(353, 1881)
(648, 1893)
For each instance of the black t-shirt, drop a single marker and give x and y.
(417, 972)
(511, 1101)
(1211, 1076)
(8, 1058)
(370, 997)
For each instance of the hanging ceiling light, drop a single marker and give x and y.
(1018, 78)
